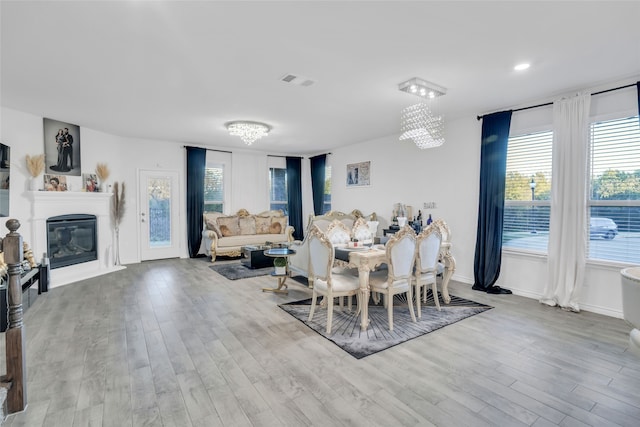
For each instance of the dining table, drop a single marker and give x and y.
(368, 258)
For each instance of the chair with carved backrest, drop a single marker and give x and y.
(325, 281)
(401, 256)
(446, 261)
(427, 253)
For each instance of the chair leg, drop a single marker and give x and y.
(435, 295)
(349, 302)
(418, 300)
(329, 314)
(313, 305)
(410, 298)
(389, 300)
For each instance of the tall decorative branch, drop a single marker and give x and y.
(117, 213)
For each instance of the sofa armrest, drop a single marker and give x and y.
(289, 232)
(210, 234)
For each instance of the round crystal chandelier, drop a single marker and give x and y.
(249, 132)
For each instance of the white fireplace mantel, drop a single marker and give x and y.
(47, 204)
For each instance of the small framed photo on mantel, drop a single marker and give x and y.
(55, 182)
(358, 174)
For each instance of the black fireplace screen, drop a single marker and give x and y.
(71, 239)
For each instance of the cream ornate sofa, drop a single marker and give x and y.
(227, 234)
(299, 263)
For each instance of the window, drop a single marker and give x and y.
(214, 188)
(278, 189)
(326, 206)
(614, 191)
(528, 192)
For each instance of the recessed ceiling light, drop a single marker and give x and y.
(521, 67)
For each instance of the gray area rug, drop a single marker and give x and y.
(347, 335)
(236, 270)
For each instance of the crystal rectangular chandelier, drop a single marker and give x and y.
(421, 122)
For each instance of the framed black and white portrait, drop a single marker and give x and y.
(61, 148)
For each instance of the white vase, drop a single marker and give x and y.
(34, 183)
(104, 187)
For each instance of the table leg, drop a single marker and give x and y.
(363, 301)
(282, 287)
(449, 268)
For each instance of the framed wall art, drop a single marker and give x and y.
(62, 147)
(358, 174)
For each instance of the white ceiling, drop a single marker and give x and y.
(177, 71)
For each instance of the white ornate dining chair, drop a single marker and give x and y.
(445, 241)
(361, 231)
(338, 234)
(326, 282)
(427, 253)
(401, 256)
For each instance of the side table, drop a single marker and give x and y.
(280, 253)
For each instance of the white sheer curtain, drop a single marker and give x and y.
(568, 217)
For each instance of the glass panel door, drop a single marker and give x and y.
(159, 215)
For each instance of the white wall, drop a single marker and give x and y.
(23, 132)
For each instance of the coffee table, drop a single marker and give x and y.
(254, 256)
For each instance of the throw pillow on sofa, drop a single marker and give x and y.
(263, 223)
(278, 224)
(229, 226)
(247, 225)
(210, 222)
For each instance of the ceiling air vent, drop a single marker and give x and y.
(297, 80)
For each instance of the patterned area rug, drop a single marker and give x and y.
(347, 335)
(237, 270)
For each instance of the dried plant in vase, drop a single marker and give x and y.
(35, 166)
(102, 172)
(117, 213)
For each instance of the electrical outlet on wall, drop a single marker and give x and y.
(429, 205)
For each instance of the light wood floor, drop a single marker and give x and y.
(172, 343)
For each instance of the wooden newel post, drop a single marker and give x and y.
(15, 342)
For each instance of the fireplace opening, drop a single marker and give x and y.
(71, 239)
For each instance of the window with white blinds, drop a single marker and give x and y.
(214, 188)
(614, 191)
(278, 189)
(528, 192)
(326, 204)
